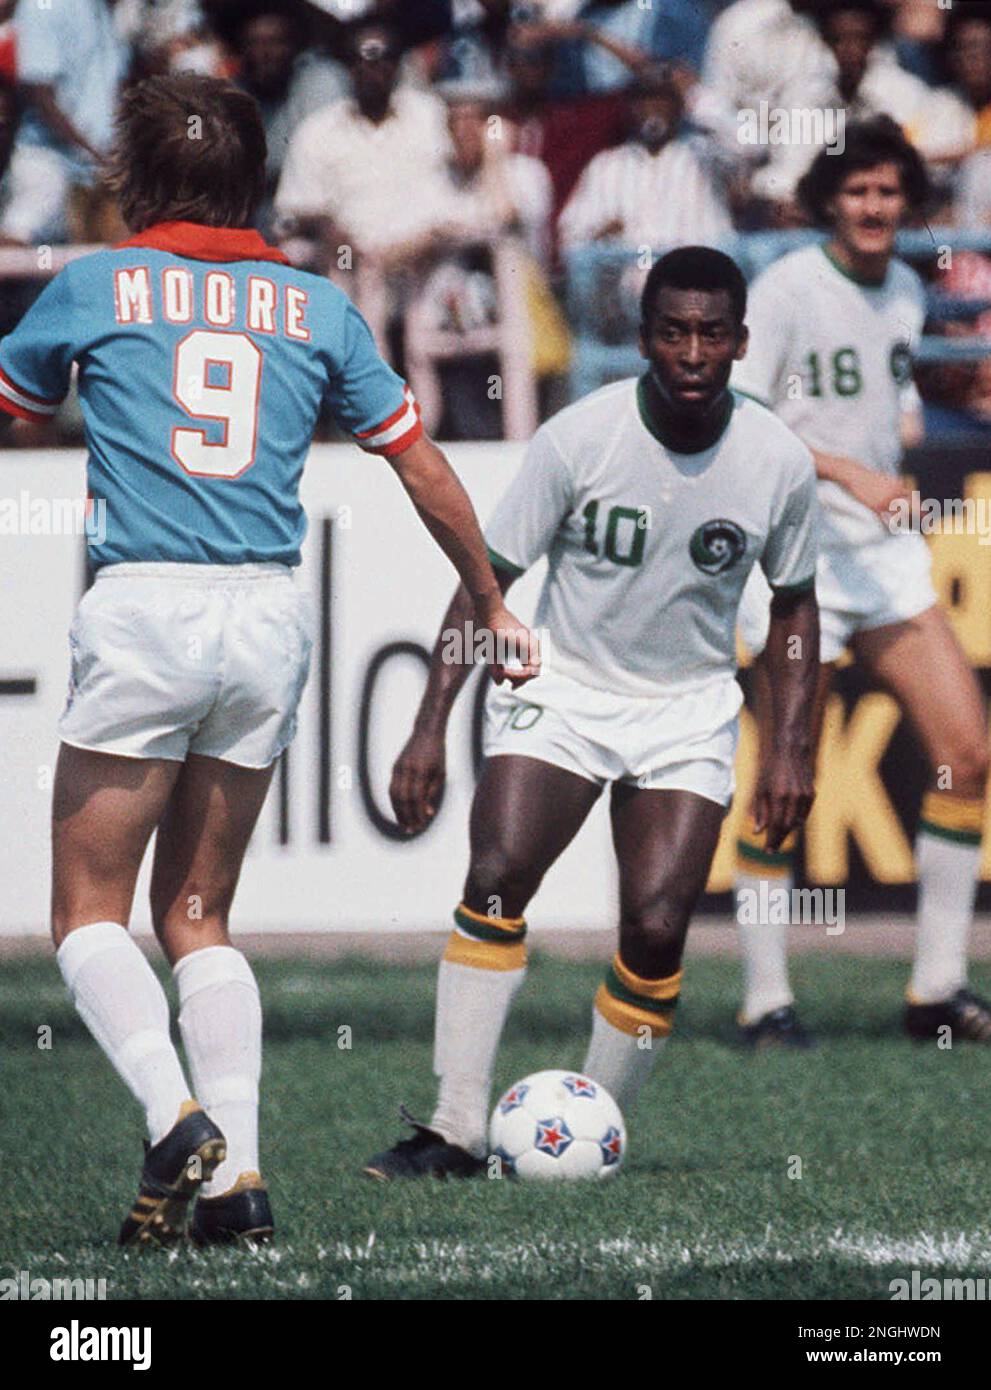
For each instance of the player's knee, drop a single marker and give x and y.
(652, 932)
(968, 767)
(499, 881)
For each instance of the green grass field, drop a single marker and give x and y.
(892, 1138)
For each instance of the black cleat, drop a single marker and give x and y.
(779, 1028)
(242, 1215)
(426, 1154)
(967, 1015)
(173, 1170)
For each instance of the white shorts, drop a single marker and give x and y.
(683, 742)
(171, 659)
(858, 588)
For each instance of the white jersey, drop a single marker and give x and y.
(649, 549)
(833, 358)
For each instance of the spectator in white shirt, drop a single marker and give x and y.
(870, 82)
(288, 81)
(356, 171)
(663, 186)
(770, 51)
(71, 60)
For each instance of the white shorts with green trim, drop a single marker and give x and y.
(170, 659)
(684, 741)
(858, 588)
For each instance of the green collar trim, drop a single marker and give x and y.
(849, 274)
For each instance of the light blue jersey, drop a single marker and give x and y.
(203, 359)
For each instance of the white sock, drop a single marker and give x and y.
(763, 944)
(947, 888)
(620, 1061)
(472, 1004)
(119, 998)
(221, 1021)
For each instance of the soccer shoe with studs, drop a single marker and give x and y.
(242, 1215)
(425, 1154)
(967, 1015)
(173, 1170)
(779, 1028)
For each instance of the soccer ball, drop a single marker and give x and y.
(558, 1124)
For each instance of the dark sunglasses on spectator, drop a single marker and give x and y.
(375, 51)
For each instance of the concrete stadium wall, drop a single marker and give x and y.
(326, 855)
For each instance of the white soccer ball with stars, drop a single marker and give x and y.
(558, 1124)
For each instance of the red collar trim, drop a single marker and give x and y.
(203, 243)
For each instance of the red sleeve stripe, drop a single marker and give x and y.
(400, 430)
(403, 442)
(397, 414)
(17, 393)
(9, 408)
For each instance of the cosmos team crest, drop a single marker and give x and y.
(717, 545)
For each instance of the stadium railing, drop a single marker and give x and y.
(601, 300)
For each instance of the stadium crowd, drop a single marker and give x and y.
(403, 137)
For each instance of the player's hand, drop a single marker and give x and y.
(784, 795)
(517, 649)
(878, 491)
(417, 783)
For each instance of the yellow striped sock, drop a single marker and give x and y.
(951, 817)
(487, 943)
(754, 859)
(630, 1002)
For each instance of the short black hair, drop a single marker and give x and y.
(873, 9)
(868, 143)
(695, 268)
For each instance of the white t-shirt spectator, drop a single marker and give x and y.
(76, 47)
(678, 194)
(660, 199)
(527, 185)
(762, 51)
(370, 179)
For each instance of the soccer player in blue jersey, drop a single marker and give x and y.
(203, 359)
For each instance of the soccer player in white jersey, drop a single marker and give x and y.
(832, 331)
(652, 499)
(204, 358)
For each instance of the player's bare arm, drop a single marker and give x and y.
(445, 510)
(785, 790)
(878, 491)
(418, 773)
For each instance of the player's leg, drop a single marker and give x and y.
(924, 667)
(767, 1014)
(104, 810)
(524, 814)
(665, 841)
(199, 851)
